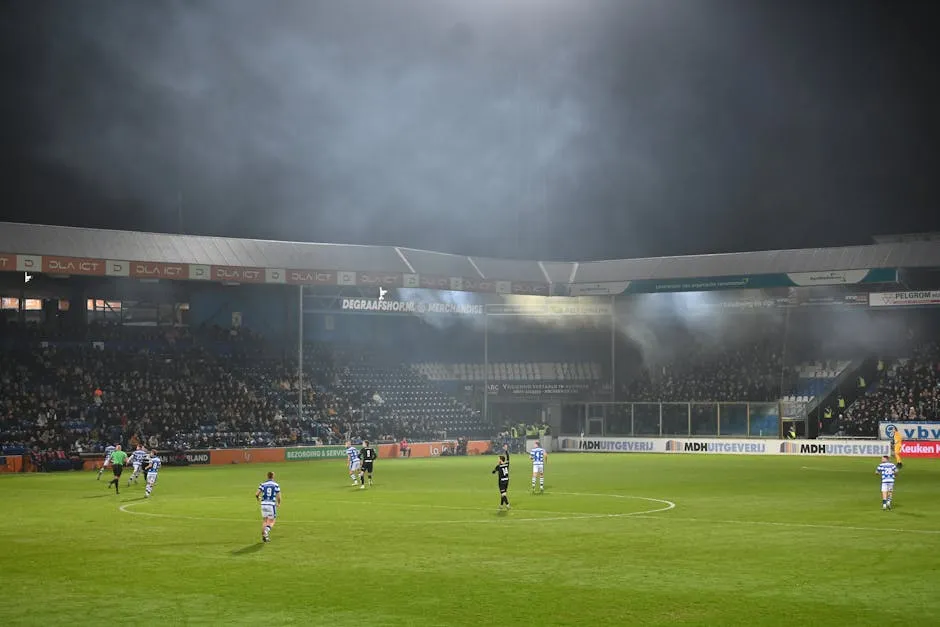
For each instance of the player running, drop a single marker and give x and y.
(354, 462)
(118, 459)
(152, 468)
(887, 470)
(107, 459)
(368, 456)
(538, 467)
(898, 442)
(269, 495)
(138, 457)
(502, 476)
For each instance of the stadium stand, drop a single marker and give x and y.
(747, 373)
(393, 392)
(211, 388)
(908, 389)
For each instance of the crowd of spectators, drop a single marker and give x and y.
(749, 372)
(909, 390)
(174, 389)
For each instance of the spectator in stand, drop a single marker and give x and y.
(749, 373)
(175, 389)
(909, 391)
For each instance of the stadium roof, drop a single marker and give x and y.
(69, 250)
(907, 237)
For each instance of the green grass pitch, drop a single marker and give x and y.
(750, 540)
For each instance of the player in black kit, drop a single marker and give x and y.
(502, 474)
(368, 456)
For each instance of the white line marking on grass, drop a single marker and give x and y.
(425, 506)
(826, 469)
(768, 523)
(573, 515)
(566, 515)
(125, 508)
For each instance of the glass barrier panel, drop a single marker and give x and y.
(732, 419)
(572, 419)
(676, 419)
(704, 419)
(618, 419)
(646, 419)
(764, 420)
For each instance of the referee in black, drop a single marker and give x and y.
(367, 455)
(502, 475)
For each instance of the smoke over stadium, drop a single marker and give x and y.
(505, 312)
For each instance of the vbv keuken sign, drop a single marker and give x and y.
(909, 430)
(920, 449)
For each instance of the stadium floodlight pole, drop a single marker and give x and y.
(300, 353)
(613, 350)
(486, 366)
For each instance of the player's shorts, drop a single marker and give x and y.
(136, 466)
(367, 466)
(887, 486)
(117, 469)
(269, 510)
(503, 485)
(538, 468)
(354, 466)
(107, 462)
(151, 477)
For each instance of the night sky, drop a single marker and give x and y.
(550, 129)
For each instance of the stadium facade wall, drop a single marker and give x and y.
(845, 448)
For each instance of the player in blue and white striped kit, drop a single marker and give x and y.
(538, 466)
(355, 463)
(269, 494)
(107, 458)
(138, 457)
(152, 469)
(887, 470)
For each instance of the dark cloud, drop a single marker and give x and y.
(542, 128)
